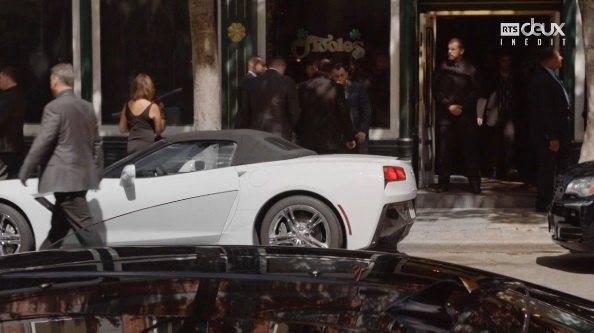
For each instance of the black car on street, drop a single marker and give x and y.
(269, 289)
(571, 218)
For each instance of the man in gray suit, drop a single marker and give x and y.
(68, 150)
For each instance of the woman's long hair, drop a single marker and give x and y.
(142, 87)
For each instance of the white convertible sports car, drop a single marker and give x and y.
(231, 187)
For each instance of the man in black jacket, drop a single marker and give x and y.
(456, 90)
(550, 111)
(325, 125)
(12, 115)
(358, 105)
(256, 67)
(269, 103)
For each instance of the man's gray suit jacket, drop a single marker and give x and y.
(68, 147)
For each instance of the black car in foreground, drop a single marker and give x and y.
(571, 219)
(269, 289)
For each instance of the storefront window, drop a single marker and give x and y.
(354, 32)
(34, 36)
(152, 37)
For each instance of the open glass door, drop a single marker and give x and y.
(426, 113)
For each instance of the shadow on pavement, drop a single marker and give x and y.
(579, 263)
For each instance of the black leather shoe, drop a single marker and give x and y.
(441, 188)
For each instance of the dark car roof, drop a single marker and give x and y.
(253, 146)
(353, 291)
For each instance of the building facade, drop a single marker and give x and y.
(394, 44)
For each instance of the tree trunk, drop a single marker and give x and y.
(587, 12)
(207, 87)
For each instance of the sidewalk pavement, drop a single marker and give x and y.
(478, 229)
(496, 194)
(502, 218)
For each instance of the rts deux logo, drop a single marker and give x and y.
(531, 29)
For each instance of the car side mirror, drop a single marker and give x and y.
(128, 175)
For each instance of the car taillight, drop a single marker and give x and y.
(394, 174)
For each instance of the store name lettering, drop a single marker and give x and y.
(301, 48)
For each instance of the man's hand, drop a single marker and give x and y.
(455, 109)
(554, 145)
(360, 137)
(351, 144)
(479, 121)
(24, 181)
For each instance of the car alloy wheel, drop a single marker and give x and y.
(15, 234)
(301, 221)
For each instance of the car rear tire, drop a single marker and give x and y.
(15, 234)
(301, 221)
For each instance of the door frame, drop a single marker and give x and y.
(426, 107)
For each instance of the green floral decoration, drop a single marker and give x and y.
(302, 33)
(355, 34)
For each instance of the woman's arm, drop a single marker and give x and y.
(123, 125)
(163, 118)
(155, 115)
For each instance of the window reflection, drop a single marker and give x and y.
(148, 36)
(356, 33)
(186, 157)
(34, 36)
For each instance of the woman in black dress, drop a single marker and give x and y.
(141, 116)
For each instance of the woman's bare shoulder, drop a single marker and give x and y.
(138, 106)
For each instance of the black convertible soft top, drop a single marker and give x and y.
(252, 146)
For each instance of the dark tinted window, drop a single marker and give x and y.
(349, 31)
(34, 36)
(152, 37)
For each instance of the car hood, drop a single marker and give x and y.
(580, 170)
(573, 172)
(241, 286)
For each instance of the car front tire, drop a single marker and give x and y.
(15, 234)
(301, 221)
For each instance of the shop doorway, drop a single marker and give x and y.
(483, 47)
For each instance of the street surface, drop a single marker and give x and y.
(512, 241)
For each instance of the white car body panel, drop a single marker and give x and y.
(39, 217)
(354, 182)
(167, 207)
(220, 206)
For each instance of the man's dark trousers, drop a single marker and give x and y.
(71, 211)
(460, 134)
(549, 163)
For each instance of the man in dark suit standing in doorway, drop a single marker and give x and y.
(12, 114)
(550, 111)
(456, 90)
(68, 150)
